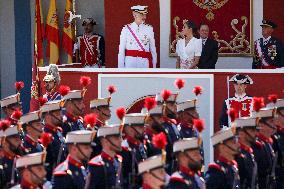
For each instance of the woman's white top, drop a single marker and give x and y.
(189, 51)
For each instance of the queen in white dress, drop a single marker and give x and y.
(188, 48)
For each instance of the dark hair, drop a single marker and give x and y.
(203, 24)
(192, 25)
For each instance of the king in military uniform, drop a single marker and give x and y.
(51, 81)
(137, 47)
(268, 50)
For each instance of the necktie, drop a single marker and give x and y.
(203, 43)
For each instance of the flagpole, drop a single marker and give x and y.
(75, 22)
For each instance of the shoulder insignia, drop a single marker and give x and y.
(216, 167)
(176, 177)
(96, 161)
(61, 169)
(119, 157)
(258, 144)
(59, 129)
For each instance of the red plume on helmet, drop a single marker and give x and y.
(258, 103)
(273, 98)
(45, 139)
(85, 81)
(232, 114)
(64, 90)
(42, 101)
(199, 124)
(90, 120)
(166, 94)
(19, 85)
(160, 140)
(179, 83)
(120, 112)
(197, 90)
(150, 103)
(111, 89)
(16, 115)
(4, 124)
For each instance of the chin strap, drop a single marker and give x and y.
(51, 114)
(42, 180)
(107, 115)
(86, 157)
(234, 150)
(113, 144)
(154, 175)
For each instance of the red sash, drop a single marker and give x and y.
(137, 53)
(88, 50)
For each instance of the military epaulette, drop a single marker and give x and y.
(176, 177)
(216, 167)
(62, 170)
(81, 119)
(119, 157)
(96, 161)
(126, 149)
(259, 144)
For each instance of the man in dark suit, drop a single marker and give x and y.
(209, 54)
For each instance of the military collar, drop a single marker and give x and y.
(132, 141)
(136, 25)
(226, 161)
(186, 171)
(71, 117)
(168, 120)
(267, 39)
(264, 138)
(280, 129)
(26, 184)
(29, 140)
(8, 155)
(51, 128)
(106, 156)
(99, 123)
(74, 162)
(146, 186)
(12, 120)
(246, 148)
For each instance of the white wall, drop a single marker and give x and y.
(7, 48)
(223, 62)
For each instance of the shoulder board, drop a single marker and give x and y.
(96, 161)
(258, 144)
(61, 169)
(176, 177)
(216, 167)
(59, 129)
(126, 149)
(119, 157)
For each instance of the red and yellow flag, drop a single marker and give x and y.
(52, 34)
(68, 32)
(38, 56)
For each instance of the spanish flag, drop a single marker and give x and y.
(38, 56)
(52, 34)
(68, 32)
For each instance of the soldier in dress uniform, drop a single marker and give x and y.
(247, 130)
(9, 105)
(90, 47)
(105, 170)
(268, 50)
(101, 107)
(170, 126)
(72, 173)
(32, 171)
(223, 174)
(189, 161)
(153, 172)
(137, 44)
(56, 150)
(12, 147)
(278, 143)
(186, 114)
(74, 111)
(134, 150)
(33, 128)
(265, 156)
(51, 81)
(241, 102)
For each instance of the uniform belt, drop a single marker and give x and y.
(141, 54)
